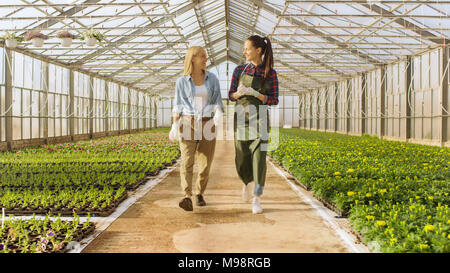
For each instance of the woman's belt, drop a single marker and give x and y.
(195, 118)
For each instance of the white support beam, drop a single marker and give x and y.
(444, 68)
(8, 97)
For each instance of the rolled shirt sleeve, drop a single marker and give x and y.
(272, 96)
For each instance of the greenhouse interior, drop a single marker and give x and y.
(358, 110)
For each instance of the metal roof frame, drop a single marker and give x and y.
(321, 41)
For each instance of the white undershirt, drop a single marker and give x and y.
(201, 98)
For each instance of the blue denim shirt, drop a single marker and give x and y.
(185, 93)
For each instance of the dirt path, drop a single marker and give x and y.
(156, 224)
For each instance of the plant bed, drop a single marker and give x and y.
(394, 194)
(341, 213)
(137, 184)
(83, 176)
(71, 180)
(153, 173)
(42, 236)
(67, 211)
(53, 181)
(64, 202)
(331, 206)
(276, 163)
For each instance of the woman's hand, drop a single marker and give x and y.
(251, 92)
(174, 134)
(240, 91)
(217, 116)
(248, 91)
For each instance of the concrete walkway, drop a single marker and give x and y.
(155, 223)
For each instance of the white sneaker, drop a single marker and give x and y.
(256, 206)
(247, 192)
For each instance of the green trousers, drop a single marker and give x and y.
(251, 163)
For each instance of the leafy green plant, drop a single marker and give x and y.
(92, 33)
(11, 36)
(396, 193)
(33, 235)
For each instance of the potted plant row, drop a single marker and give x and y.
(91, 37)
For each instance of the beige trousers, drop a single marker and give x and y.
(196, 150)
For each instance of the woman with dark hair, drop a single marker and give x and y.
(254, 87)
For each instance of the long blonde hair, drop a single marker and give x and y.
(191, 53)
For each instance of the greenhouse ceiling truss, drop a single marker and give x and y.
(315, 43)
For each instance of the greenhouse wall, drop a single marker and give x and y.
(331, 107)
(373, 99)
(322, 107)
(286, 112)
(164, 116)
(342, 106)
(356, 103)
(426, 96)
(308, 106)
(99, 106)
(406, 100)
(315, 110)
(396, 100)
(2, 99)
(301, 110)
(44, 103)
(81, 103)
(113, 106)
(275, 116)
(446, 95)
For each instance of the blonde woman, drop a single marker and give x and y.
(197, 111)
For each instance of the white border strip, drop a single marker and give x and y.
(326, 214)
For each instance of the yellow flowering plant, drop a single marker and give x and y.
(371, 179)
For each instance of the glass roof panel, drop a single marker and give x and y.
(146, 42)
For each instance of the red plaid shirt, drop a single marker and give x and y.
(257, 71)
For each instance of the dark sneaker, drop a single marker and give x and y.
(200, 201)
(186, 204)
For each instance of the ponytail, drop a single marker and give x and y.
(268, 58)
(266, 50)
